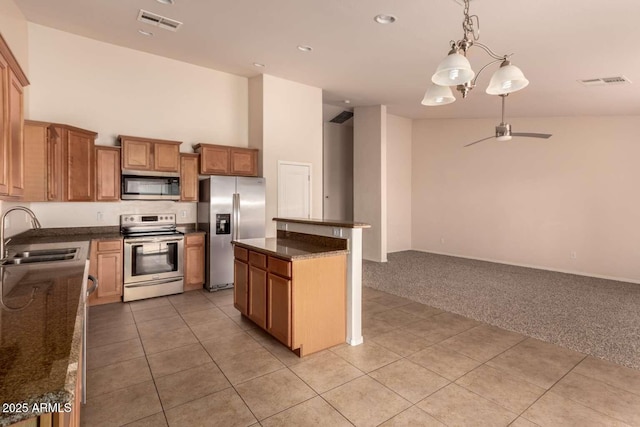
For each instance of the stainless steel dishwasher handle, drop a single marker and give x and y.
(95, 284)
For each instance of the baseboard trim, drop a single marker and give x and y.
(538, 267)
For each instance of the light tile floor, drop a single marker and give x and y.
(193, 360)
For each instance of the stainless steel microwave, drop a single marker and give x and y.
(150, 187)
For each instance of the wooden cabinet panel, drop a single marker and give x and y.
(107, 173)
(214, 159)
(16, 137)
(258, 260)
(279, 308)
(166, 157)
(244, 162)
(189, 177)
(80, 169)
(106, 265)
(241, 253)
(136, 154)
(55, 164)
(279, 266)
(4, 131)
(194, 276)
(240, 285)
(36, 144)
(258, 296)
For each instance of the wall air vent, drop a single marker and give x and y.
(158, 21)
(605, 81)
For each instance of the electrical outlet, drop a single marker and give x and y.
(99, 216)
(337, 232)
(442, 240)
(573, 255)
(183, 214)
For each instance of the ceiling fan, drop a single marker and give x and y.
(503, 131)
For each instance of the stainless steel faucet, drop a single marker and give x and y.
(34, 223)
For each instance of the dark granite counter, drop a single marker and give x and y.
(41, 321)
(293, 246)
(66, 234)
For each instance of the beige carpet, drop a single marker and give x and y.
(594, 316)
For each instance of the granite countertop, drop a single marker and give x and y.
(41, 321)
(325, 222)
(289, 248)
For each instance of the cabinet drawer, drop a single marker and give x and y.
(194, 239)
(280, 267)
(109, 245)
(258, 260)
(241, 253)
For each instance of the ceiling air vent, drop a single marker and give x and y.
(603, 81)
(342, 117)
(158, 21)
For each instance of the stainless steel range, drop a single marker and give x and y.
(153, 251)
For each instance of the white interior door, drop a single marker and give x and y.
(294, 190)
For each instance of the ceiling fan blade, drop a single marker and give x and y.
(480, 140)
(532, 134)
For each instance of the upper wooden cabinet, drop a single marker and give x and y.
(147, 154)
(226, 160)
(107, 173)
(188, 177)
(12, 82)
(61, 163)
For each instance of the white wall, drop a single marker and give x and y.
(398, 183)
(291, 130)
(531, 201)
(114, 90)
(370, 178)
(338, 171)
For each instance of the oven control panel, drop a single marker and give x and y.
(147, 219)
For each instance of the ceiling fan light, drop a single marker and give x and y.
(438, 95)
(454, 70)
(507, 79)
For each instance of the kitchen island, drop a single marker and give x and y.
(294, 287)
(351, 232)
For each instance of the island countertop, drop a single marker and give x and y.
(41, 320)
(291, 249)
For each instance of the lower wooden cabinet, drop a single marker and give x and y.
(193, 261)
(106, 266)
(301, 303)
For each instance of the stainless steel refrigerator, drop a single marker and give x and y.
(229, 208)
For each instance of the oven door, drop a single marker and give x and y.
(153, 258)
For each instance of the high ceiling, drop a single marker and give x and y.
(555, 43)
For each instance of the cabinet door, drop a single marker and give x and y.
(106, 265)
(279, 308)
(16, 137)
(4, 142)
(214, 160)
(240, 285)
(258, 296)
(194, 261)
(244, 162)
(107, 174)
(137, 155)
(188, 177)
(36, 137)
(166, 157)
(80, 170)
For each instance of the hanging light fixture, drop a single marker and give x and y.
(455, 69)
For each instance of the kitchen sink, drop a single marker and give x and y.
(41, 255)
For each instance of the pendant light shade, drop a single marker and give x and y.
(438, 95)
(454, 70)
(507, 79)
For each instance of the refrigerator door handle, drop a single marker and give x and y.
(237, 215)
(234, 231)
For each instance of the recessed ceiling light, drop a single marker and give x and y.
(257, 64)
(347, 101)
(385, 19)
(304, 48)
(145, 33)
(165, 1)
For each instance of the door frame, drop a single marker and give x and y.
(287, 162)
